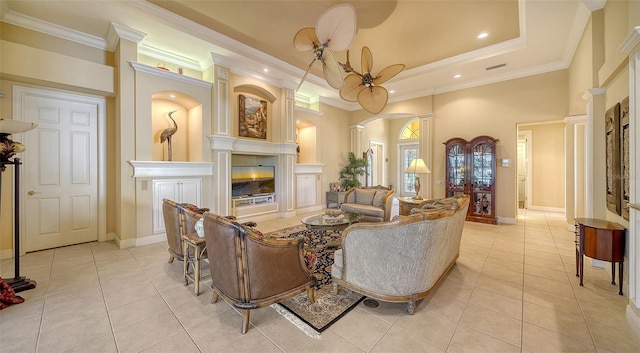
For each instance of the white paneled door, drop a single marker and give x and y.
(60, 182)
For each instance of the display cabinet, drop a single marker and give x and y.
(471, 170)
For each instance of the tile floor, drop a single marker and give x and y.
(513, 290)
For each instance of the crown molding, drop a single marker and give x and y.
(593, 5)
(591, 92)
(632, 41)
(38, 25)
(168, 74)
(167, 56)
(117, 32)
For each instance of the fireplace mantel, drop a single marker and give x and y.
(149, 169)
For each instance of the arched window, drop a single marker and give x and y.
(411, 130)
(408, 150)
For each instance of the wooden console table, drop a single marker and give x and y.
(601, 240)
(406, 204)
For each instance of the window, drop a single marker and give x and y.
(408, 150)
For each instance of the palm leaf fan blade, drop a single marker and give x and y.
(332, 72)
(388, 73)
(352, 86)
(373, 99)
(306, 39)
(336, 27)
(366, 60)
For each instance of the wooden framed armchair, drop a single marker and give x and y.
(173, 228)
(251, 272)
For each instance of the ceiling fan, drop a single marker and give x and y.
(364, 87)
(334, 32)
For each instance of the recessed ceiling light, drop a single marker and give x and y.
(265, 70)
(392, 91)
(483, 35)
(457, 76)
(172, 96)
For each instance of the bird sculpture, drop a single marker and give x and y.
(167, 133)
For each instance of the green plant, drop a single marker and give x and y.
(350, 172)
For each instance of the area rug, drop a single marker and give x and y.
(328, 307)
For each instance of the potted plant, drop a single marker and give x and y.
(350, 172)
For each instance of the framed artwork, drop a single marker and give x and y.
(253, 116)
(624, 157)
(612, 141)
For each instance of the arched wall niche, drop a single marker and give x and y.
(187, 141)
(306, 139)
(256, 91)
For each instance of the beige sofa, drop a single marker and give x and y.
(405, 259)
(373, 202)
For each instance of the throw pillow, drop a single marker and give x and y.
(365, 197)
(378, 200)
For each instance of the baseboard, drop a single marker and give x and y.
(150, 240)
(507, 220)
(125, 243)
(547, 209)
(633, 318)
(310, 209)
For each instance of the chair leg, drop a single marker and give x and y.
(245, 320)
(334, 288)
(311, 293)
(171, 258)
(214, 298)
(411, 307)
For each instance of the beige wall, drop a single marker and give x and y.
(333, 141)
(547, 166)
(496, 110)
(580, 74)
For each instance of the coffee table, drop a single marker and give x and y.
(318, 222)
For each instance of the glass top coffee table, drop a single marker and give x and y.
(321, 221)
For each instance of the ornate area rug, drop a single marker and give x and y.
(328, 308)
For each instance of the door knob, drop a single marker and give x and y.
(31, 192)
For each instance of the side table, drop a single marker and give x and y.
(601, 240)
(406, 204)
(336, 197)
(192, 243)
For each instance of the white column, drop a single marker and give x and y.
(356, 139)
(631, 46)
(595, 179)
(221, 99)
(426, 153)
(575, 150)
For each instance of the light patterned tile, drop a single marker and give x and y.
(537, 339)
(563, 323)
(472, 341)
(500, 326)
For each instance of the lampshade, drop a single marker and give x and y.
(417, 166)
(8, 127)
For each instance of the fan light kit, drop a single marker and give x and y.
(334, 32)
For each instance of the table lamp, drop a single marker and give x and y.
(417, 167)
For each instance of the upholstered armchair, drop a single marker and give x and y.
(402, 260)
(373, 202)
(251, 272)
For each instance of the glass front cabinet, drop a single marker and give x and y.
(471, 170)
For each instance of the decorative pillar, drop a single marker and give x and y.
(125, 187)
(221, 147)
(426, 153)
(356, 139)
(221, 94)
(575, 159)
(595, 179)
(631, 47)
